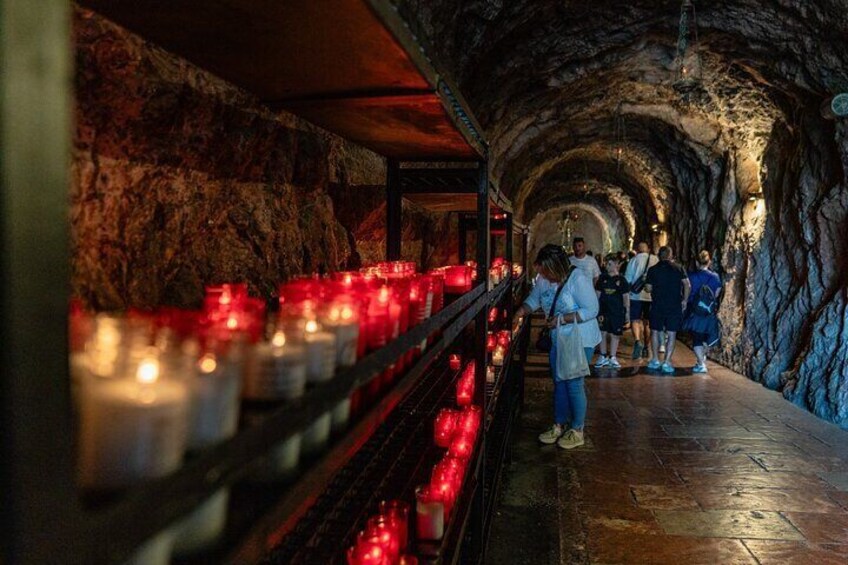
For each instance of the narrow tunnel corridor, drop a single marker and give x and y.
(589, 106)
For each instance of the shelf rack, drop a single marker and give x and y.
(364, 77)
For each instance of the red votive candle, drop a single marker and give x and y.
(397, 512)
(379, 526)
(367, 551)
(465, 390)
(491, 342)
(378, 317)
(444, 426)
(469, 420)
(462, 445)
(455, 362)
(504, 337)
(408, 560)
(458, 279)
(493, 315)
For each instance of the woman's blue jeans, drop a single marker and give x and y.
(569, 396)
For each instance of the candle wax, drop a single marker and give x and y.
(429, 517)
(214, 412)
(130, 431)
(275, 372)
(201, 529)
(320, 356)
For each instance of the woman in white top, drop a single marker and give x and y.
(576, 302)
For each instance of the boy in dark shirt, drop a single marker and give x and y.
(615, 310)
(669, 287)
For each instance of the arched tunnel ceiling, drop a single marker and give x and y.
(549, 80)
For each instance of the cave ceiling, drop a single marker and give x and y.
(576, 93)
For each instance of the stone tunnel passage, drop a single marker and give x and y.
(586, 106)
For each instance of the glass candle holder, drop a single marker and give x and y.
(444, 426)
(498, 356)
(381, 527)
(455, 362)
(320, 353)
(368, 550)
(397, 512)
(429, 514)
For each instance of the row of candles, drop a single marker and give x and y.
(456, 430)
(151, 388)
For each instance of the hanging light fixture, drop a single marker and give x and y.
(619, 136)
(687, 62)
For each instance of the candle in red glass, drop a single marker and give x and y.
(378, 317)
(455, 362)
(444, 426)
(379, 526)
(491, 342)
(462, 445)
(469, 419)
(504, 337)
(397, 512)
(367, 551)
(444, 490)
(493, 315)
(465, 389)
(458, 279)
(446, 471)
(429, 514)
(408, 560)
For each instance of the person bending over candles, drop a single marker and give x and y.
(575, 301)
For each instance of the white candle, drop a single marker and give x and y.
(320, 353)
(215, 389)
(201, 529)
(429, 519)
(131, 428)
(316, 436)
(498, 357)
(343, 324)
(341, 415)
(276, 370)
(156, 551)
(490, 374)
(286, 457)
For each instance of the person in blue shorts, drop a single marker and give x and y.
(669, 287)
(701, 311)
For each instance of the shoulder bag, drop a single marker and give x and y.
(640, 281)
(545, 343)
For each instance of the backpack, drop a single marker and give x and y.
(705, 303)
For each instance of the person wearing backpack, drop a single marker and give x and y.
(702, 310)
(636, 274)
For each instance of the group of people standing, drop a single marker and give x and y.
(651, 293)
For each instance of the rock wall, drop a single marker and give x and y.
(180, 179)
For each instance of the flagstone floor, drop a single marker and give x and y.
(676, 470)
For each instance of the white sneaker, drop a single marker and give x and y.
(613, 363)
(667, 369)
(571, 439)
(602, 362)
(654, 365)
(552, 434)
(699, 369)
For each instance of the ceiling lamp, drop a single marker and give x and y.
(619, 136)
(687, 62)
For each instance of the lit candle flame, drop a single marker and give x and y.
(207, 363)
(279, 339)
(232, 323)
(311, 326)
(148, 370)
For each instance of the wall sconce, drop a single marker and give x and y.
(656, 228)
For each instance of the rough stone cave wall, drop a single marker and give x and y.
(180, 179)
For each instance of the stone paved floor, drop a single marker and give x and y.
(676, 470)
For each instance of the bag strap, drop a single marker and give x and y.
(559, 290)
(647, 266)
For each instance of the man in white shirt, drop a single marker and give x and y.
(584, 262)
(640, 302)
